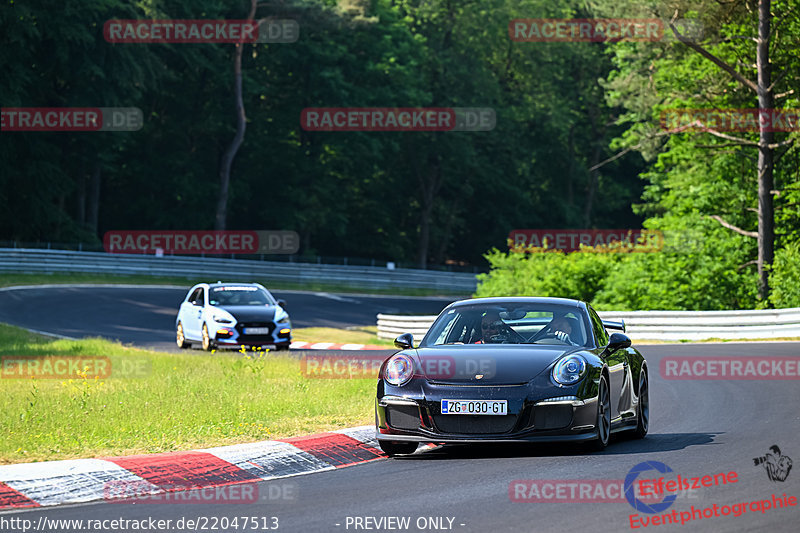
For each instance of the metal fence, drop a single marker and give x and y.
(277, 258)
(656, 325)
(197, 268)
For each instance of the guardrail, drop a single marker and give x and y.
(390, 326)
(655, 325)
(356, 277)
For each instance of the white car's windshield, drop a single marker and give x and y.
(239, 295)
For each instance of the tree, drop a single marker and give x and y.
(765, 91)
(241, 124)
(711, 173)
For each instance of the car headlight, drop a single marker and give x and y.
(222, 319)
(281, 316)
(569, 370)
(399, 370)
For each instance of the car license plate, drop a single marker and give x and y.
(474, 407)
(256, 331)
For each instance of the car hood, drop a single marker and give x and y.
(497, 364)
(251, 313)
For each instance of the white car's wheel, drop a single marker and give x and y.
(181, 338)
(206, 339)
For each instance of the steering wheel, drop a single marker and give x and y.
(507, 335)
(544, 332)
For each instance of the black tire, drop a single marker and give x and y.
(392, 448)
(643, 412)
(603, 420)
(207, 344)
(180, 338)
(282, 347)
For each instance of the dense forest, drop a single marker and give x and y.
(579, 140)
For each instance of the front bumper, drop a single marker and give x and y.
(278, 335)
(401, 418)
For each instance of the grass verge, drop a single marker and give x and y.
(361, 335)
(170, 402)
(8, 280)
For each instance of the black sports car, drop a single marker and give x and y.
(512, 370)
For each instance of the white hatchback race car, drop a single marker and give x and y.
(232, 315)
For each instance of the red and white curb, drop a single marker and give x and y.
(298, 345)
(85, 480)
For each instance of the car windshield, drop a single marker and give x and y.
(239, 295)
(518, 323)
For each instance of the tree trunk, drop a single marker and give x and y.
(448, 231)
(766, 211)
(94, 197)
(591, 188)
(424, 236)
(594, 175)
(241, 123)
(80, 199)
(430, 180)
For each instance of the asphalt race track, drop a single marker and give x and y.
(697, 428)
(146, 316)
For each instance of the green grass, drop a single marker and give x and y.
(7, 280)
(184, 401)
(362, 335)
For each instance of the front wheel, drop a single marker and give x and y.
(180, 338)
(603, 421)
(206, 339)
(392, 448)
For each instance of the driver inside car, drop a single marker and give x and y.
(561, 329)
(493, 329)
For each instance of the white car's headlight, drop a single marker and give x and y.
(399, 370)
(569, 370)
(222, 319)
(281, 316)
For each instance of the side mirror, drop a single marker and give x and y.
(404, 341)
(282, 303)
(617, 341)
(196, 302)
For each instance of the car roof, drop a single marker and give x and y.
(233, 284)
(498, 300)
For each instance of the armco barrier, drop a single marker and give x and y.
(655, 325)
(205, 269)
(390, 326)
